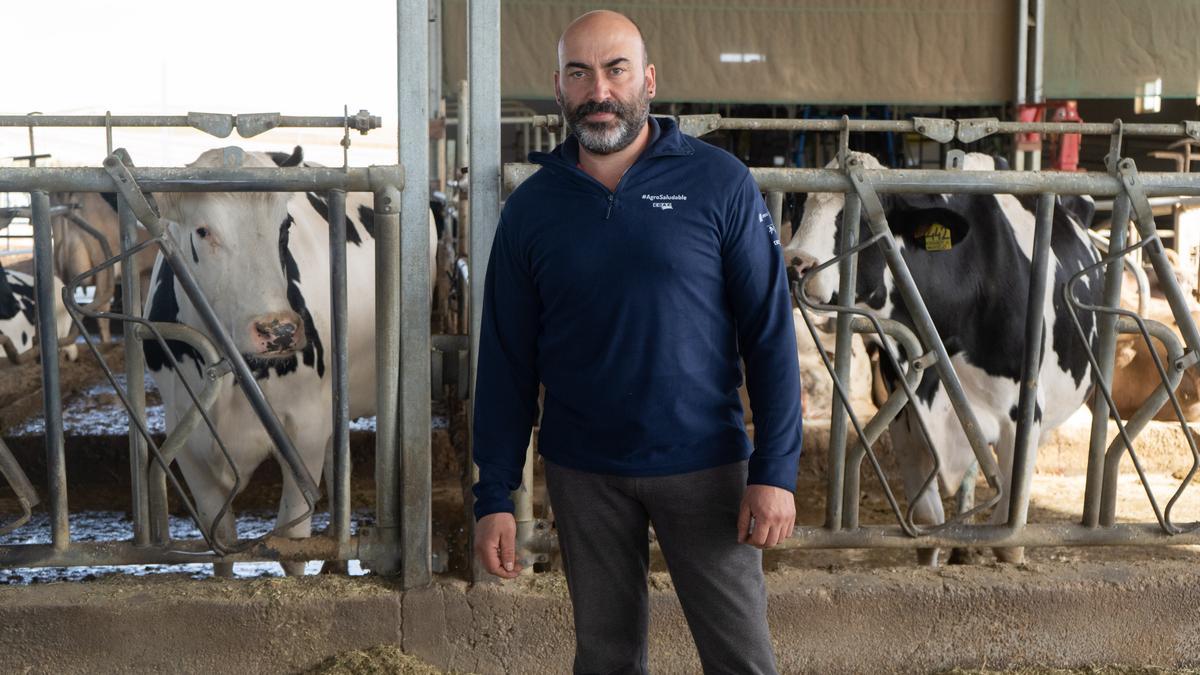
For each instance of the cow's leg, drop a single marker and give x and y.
(916, 464)
(292, 504)
(211, 482)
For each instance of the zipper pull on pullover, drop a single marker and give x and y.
(610, 205)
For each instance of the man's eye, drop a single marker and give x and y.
(577, 75)
(617, 71)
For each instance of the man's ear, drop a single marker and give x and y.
(557, 89)
(651, 81)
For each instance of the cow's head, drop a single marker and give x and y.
(915, 220)
(235, 244)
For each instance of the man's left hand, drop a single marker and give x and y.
(773, 512)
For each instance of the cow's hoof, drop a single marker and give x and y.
(963, 556)
(223, 570)
(927, 557)
(293, 568)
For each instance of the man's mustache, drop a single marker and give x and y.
(592, 107)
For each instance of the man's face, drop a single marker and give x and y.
(604, 90)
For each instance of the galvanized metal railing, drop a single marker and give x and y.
(862, 187)
(396, 304)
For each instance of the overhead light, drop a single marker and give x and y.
(737, 57)
(1150, 100)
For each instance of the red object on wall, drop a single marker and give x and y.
(1066, 146)
(1029, 142)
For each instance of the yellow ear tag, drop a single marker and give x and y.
(937, 238)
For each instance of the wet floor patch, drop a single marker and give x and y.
(116, 526)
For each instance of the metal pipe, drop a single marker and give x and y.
(1039, 49)
(412, 39)
(56, 463)
(144, 525)
(291, 121)
(1143, 415)
(1025, 445)
(925, 181)
(959, 535)
(339, 368)
(387, 364)
(775, 207)
(883, 417)
(1106, 343)
(246, 179)
(463, 148)
(483, 23)
(847, 277)
(1022, 51)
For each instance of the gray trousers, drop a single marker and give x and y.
(602, 530)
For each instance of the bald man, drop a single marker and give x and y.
(630, 276)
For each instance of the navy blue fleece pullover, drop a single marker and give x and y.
(632, 307)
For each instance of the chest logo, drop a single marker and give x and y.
(664, 202)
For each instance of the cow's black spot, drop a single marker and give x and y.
(313, 353)
(110, 198)
(1037, 415)
(164, 306)
(24, 338)
(366, 215)
(9, 306)
(322, 208)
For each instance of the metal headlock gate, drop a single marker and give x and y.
(862, 188)
(400, 302)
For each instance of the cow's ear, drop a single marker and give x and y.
(283, 160)
(931, 229)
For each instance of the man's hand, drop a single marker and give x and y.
(773, 512)
(496, 544)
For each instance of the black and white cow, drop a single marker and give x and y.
(18, 316)
(262, 260)
(975, 281)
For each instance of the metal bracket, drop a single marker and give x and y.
(955, 160)
(26, 495)
(1192, 129)
(870, 201)
(363, 121)
(253, 124)
(1114, 147)
(935, 128)
(1127, 172)
(213, 124)
(698, 125)
(843, 154)
(971, 130)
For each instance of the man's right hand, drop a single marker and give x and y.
(496, 544)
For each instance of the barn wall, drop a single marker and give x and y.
(1109, 48)
(820, 51)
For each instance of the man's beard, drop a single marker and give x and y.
(605, 138)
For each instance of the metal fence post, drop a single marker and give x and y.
(387, 364)
(339, 497)
(1106, 344)
(148, 524)
(484, 73)
(1025, 447)
(836, 495)
(56, 463)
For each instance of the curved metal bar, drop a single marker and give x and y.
(27, 496)
(1125, 437)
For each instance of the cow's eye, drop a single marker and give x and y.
(202, 231)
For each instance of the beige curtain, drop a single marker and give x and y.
(776, 51)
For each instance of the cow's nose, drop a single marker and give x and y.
(801, 263)
(278, 334)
